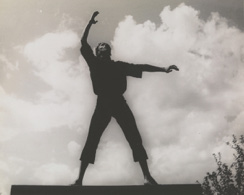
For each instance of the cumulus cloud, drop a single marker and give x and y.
(48, 55)
(74, 148)
(53, 173)
(31, 129)
(185, 114)
(9, 65)
(66, 79)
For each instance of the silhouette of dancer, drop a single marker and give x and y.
(109, 83)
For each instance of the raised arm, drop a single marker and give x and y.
(150, 68)
(86, 32)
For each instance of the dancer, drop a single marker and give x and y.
(109, 83)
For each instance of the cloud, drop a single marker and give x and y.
(47, 55)
(184, 115)
(7, 68)
(67, 80)
(74, 148)
(114, 165)
(53, 173)
(9, 65)
(31, 129)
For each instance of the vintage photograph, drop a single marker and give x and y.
(122, 93)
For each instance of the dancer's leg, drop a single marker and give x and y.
(126, 120)
(99, 122)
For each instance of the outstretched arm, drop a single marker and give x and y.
(150, 68)
(86, 32)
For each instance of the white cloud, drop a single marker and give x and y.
(50, 48)
(63, 107)
(187, 109)
(114, 165)
(48, 55)
(53, 173)
(74, 148)
(9, 65)
(68, 98)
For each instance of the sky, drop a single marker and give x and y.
(46, 96)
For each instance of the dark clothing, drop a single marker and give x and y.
(108, 77)
(105, 109)
(109, 83)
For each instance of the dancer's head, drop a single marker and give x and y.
(103, 50)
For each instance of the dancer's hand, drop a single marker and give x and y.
(93, 17)
(172, 67)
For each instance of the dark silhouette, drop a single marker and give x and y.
(109, 83)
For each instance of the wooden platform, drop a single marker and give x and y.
(182, 189)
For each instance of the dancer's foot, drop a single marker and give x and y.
(77, 183)
(149, 181)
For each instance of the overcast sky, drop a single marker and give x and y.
(46, 97)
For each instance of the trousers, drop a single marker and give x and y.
(106, 108)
